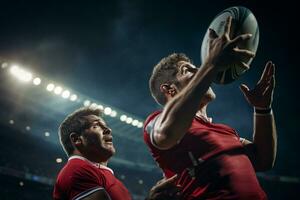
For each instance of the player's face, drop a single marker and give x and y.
(185, 74)
(97, 138)
(186, 71)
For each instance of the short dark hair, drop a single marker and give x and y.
(74, 122)
(165, 72)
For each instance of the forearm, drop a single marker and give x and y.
(179, 112)
(265, 141)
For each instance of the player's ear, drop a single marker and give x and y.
(75, 139)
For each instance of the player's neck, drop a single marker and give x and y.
(104, 163)
(201, 113)
(91, 159)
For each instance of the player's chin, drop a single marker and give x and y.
(111, 149)
(209, 95)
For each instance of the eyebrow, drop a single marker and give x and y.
(98, 121)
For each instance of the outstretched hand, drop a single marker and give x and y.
(165, 189)
(224, 51)
(261, 96)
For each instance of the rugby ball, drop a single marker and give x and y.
(243, 21)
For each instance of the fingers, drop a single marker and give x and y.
(166, 183)
(237, 40)
(269, 90)
(227, 26)
(244, 88)
(266, 72)
(244, 65)
(212, 34)
(243, 54)
(272, 70)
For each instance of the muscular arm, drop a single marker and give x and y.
(264, 146)
(264, 129)
(179, 112)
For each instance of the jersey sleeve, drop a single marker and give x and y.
(84, 182)
(149, 129)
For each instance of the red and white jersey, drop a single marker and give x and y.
(210, 160)
(80, 178)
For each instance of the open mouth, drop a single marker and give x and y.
(108, 140)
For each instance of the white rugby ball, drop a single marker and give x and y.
(243, 21)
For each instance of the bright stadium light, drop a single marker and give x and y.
(113, 113)
(123, 118)
(129, 120)
(36, 81)
(93, 105)
(58, 160)
(100, 107)
(73, 97)
(50, 87)
(14, 69)
(87, 103)
(21, 183)
(66, 94)
(135, 122)
(58, 90)
(107, 111)
(4, 65)
(20, 74)
(47, 134)
(27, 128)
(140, 125)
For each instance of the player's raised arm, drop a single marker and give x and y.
(183, 99)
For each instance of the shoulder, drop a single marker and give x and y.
(150, 121)
(79, 178)
(77, 170)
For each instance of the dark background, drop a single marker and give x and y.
(105, 50)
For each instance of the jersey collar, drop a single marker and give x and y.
(98, 165)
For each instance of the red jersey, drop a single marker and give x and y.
(80, 178)
(210, 160)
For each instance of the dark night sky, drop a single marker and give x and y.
(106, 50)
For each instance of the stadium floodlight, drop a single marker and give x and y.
(87, 103)
(14, 69)
(47, 134)
(100, 107)
(113, 113)
(129, 120)
(123, 118)
(58, 160)
(135, 122)
(4, 65)
(57, 90)
(73, 97)
(93, 105)
(20, 74)
(66, 94)
(36, 81)
(107, 111)
(50, 87)
(140, 125)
